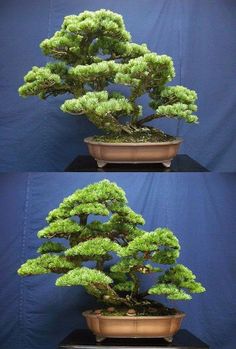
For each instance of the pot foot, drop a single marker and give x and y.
(101, 163)
(169, 339)
(166, 164)
(99, 339)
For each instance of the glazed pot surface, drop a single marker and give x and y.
(134, 327)
(159, 152)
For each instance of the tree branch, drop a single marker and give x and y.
(81, 113)
(83, 219)
(149, 118)
(136, 283)
(143, 294)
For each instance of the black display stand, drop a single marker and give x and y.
(84, 339)
(181, 163)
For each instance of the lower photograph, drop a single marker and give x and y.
(114, 260)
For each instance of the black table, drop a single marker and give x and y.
(84, 339)
(181, 163)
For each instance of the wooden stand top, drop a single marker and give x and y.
(181, 163)
(84, 339)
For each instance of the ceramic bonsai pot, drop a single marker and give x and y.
(134, 153)
(134, 326)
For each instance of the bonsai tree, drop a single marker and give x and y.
(93, 51)
(119, 249)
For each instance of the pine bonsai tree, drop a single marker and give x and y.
(121, 252)
(93, 51)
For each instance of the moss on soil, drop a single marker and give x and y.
(142, 136)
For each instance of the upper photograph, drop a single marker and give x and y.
(118, 86)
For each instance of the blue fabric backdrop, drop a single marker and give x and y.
(199, 208)
(198, 34)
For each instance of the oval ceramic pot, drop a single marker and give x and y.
(133, 327)
(134, 153)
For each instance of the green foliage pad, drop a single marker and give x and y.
(93, 50)
(120, 251)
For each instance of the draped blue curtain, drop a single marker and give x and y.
(199, 208)
(198, 34)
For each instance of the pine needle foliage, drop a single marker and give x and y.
(120, 251)
(92, 51)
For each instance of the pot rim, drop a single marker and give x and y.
(180, 314)
(90, 140)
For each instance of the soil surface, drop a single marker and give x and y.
(158, 310)
(143, 136)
